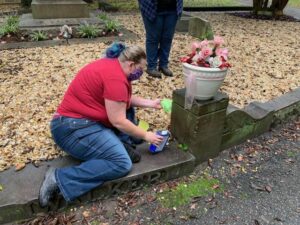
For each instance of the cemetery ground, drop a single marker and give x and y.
(264, 65)
(256, 183)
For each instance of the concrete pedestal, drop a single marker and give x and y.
(46, 9)
(202, 126)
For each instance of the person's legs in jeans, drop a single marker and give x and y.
(125, 138)
(153, 37)
(129, 141)
(104, 156)
(168, 30)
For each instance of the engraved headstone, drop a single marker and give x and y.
(53, 9)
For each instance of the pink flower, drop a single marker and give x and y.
(204, 43)
(218, 40)
(206, 52)
(197, 57)
(196, 45)
(222, 52)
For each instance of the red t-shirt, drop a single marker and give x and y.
(99, 80)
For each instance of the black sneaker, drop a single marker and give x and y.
(166, 71)
(136, 141)
(154, 73)
(134, 155)
(48, 188)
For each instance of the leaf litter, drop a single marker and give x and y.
(33, 81)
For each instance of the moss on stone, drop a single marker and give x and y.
(184, 192)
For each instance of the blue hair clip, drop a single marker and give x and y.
(115, 50)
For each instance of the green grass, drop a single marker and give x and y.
(184, 193)
(291, 154)
(294, 3)
(129, 5)
(210, 3)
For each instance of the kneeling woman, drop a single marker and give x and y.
(89, 119)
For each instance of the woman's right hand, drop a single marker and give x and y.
(153, 138)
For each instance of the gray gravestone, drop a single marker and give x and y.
(46, 9)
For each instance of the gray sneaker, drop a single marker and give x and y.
(166, 71)
(153, 73)
(48, 187)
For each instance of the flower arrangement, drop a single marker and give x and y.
(208, 53)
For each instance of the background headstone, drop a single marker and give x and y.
(46, 9)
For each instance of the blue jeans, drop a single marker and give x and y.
(159, 36)
(102, 154)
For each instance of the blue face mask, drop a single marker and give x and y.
(135, 75)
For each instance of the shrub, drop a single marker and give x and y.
(88, 30)
(103, 16)
(11, 26)
(111, 26)
(38, 36)
(12, 20)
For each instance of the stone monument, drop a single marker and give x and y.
(53, 9)
(201, 127)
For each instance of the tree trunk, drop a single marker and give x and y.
(276, 6)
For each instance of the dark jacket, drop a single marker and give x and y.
(149, 8)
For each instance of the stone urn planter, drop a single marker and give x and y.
(202, 83)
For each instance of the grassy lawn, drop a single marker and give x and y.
(294, 3)
(210, 3)
(133, 4)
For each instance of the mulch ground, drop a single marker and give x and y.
(263, 55)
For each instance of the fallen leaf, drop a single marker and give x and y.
(193, 206)
(19, 166)
(151, 198)
(209, 199)
(240, 158)
(86, 214)
(259, 188)
(268, 188)
(183, 218)
(210, 162)
(1, 187)
(215, 186)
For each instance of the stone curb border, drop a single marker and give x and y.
(211, 126)
(127, 35)
(257, 118)
(18, 200)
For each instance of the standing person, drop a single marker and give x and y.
(88, 120)
(160, 18)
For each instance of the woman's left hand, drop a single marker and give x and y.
(156, 104)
